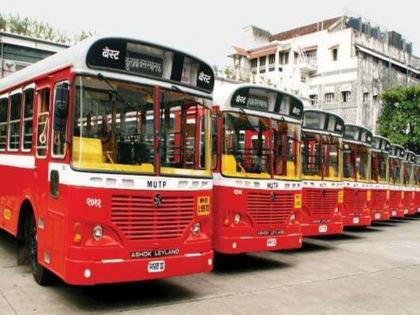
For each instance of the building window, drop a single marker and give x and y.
(283, 57)
(286, 57)
(375, 99)
(271, 59)
(345, 96)
(366, 97)
(296, 57)
(14, 122)
(262, 70)
(313, 98)
(329, 98)
(254, 63)
(302, 79)
(262, 61)
(334, 54)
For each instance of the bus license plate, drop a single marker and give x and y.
(405, 211)
(156, 266)
(394, 213)
(377, 216)
(356, 220)
(271, 242)
(323, 228)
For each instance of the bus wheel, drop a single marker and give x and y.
(41, 275)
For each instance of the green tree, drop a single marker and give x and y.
(400, 117)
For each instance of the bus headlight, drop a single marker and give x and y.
(97, 232)
(237, 218)
(196, 228)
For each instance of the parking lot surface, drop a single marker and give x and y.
(367, 271)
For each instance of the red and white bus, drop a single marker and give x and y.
(379, 202)
(408, 183)
(356, 176)
(396, 159)
(257, 189)
(105, 156)
(322, 160)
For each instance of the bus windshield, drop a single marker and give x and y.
(378, 166)
(320, 156)
(249, 152)
(349, 152)
(246, 146)
(114, 129)
(184, 135)
(362, 163)
(395, 171)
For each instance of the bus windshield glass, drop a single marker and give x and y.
(113, 124)
(395, 171)
(362, 163)
(184, 138)
(378, 166)
(246, 146)
(349, 152)
(286, 137)
(320, 156)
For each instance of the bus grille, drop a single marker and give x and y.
(320, 202)
(395, 199)
(139, 219)
(354, 199)
(264, 210)
(378, 199)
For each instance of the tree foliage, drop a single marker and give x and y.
(400, 117)
(31, 27)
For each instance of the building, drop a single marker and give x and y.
(340, 64)
(18, 51)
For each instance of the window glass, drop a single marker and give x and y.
(286, 148)
(61, 97)
(4, 108)
(28, 112)
(113, 126)
(246, 147)
(362, 162)
(14, 123)
(349, 160)
(395, 171)
(43, 121)
(311, 155)
(184, 134)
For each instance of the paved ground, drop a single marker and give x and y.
(372, 271)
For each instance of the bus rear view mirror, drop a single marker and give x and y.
(61, 107)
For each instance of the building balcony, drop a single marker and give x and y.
(307, 66)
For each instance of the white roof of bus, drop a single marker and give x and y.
(224, 89)
(75, 57)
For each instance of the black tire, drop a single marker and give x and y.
(41, 275)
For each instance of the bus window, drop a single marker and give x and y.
(311, 155)
(28, 111)
(246, 147)
(286, 143)
(183, 134)
(113, 126)
(3, 123)
(362, 163)
(43, 114)
(330, 157)
(214, 133)
(348, 160)
(59, 131)
(14, 122)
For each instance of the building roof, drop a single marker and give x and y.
(304, 30)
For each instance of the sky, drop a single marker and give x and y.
(208, 29)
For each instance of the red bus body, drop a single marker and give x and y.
(144, 223)
(356, 186)
(252, 211)
(379, 202)
(396, 194)
(322, 193)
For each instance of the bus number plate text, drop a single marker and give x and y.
(156, 266)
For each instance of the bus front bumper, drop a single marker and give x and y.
(357, 220)
(83, 272)
(238, 245)
(379, 215)
(319, 229)
(397, 213)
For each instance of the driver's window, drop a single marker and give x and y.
(61, 97)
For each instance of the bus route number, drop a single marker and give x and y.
(94, 202)
(203, 205)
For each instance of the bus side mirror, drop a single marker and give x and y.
(61, 105)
